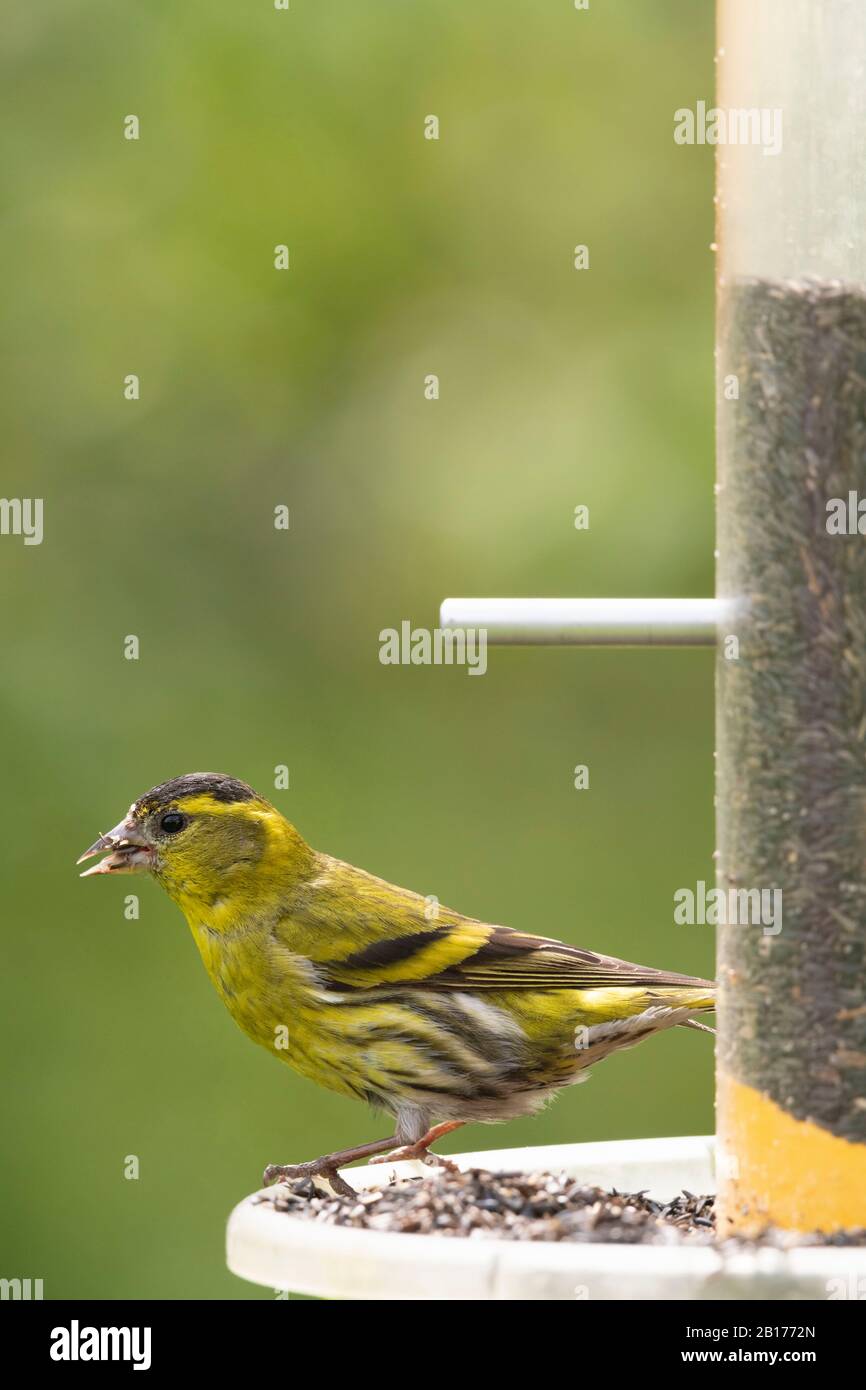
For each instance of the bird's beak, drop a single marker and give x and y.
(129, 852)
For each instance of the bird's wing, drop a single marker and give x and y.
(515, 960)
(363, 933)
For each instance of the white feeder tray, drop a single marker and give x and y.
(284, 1252)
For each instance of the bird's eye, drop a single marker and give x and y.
(172, 822)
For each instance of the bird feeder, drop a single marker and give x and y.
(791, 685)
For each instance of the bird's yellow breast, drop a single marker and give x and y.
(262, 990)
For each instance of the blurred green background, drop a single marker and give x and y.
(260, 647)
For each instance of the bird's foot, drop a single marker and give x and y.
(327, 1167)
(318, 1168)
(420, 1155)
(420, 1150)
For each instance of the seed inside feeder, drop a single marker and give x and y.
(792, 694)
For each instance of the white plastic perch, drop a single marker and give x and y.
(589, 622)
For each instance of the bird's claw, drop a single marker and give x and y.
(316, 1168)
(420, 1155)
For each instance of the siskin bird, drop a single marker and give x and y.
(434, 1017)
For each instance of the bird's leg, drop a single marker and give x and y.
(328, 1166)
(421, 1148)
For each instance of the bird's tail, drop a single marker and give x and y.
(703, 1000)
(699, 1027)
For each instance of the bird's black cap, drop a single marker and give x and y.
(216, 784)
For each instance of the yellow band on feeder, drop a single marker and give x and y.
(775, 1170)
